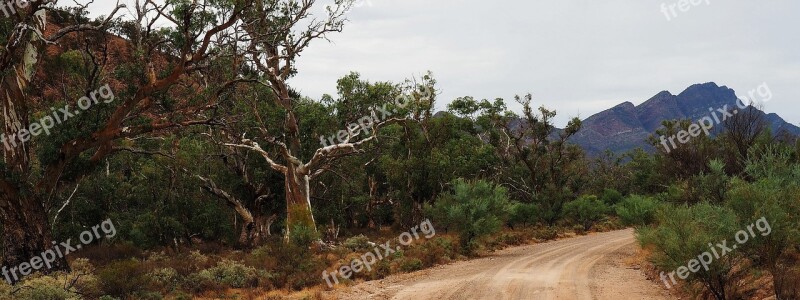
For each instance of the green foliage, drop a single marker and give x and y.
(80, 283)
(44, 288)
(772, 203)
(712, 186)
(586, 210)
(684, 233)
(303, 235)
(227, 274)
(436, 251)
(288, 265)
(473, 209)
(611, 197)
(410, 265)
(165, 279)
(122, 278)
(524, 214)
(637, 210)
(359, 243)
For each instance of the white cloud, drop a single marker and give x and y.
(577, 56)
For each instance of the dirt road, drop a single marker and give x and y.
(586, 267)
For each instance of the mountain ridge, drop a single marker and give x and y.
(626, 126)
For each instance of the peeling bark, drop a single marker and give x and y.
(298, 201)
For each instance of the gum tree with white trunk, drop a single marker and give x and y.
(277, 32)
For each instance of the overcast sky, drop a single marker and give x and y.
(576, 56)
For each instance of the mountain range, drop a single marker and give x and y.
(627, 126)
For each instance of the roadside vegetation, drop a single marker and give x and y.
(723, 189)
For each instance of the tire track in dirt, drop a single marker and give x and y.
(564, 269)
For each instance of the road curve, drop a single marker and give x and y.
(586, 267)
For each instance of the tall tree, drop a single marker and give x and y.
(169, 64)
(540, 165)
(277, 33)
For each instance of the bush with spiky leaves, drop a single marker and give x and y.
(473, 209)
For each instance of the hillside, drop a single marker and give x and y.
(626, 126)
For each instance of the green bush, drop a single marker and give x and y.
(288, 265)
(359, 243)
(78, 284)
(43, 288)
(714, 185)
(121, 278)
(165, 279)
(435, 251)
(303, 236)
(524, 214)
(637, 210)
(684, 233)
(775, 207)
(410, 265)
(586, 211)
(611, 197)
(230, 274)
(545, 233)
(473, 209)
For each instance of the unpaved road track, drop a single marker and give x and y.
(586, 267)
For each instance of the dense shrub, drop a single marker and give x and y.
(303, 236)
(524, 214)
(684, 233)
(410, 264)
(229, 273)
(287, 265)
(473, 209)
(545, 233)
(435, 251)
(611, 197)
(714, 185)
(121, 278)
(586, 211)
(165, 279)
(777, 204)
(359, 243)
(41, 288)
(637, 210)
(80, 283)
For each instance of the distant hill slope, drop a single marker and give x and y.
(626, 126)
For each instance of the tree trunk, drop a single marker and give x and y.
(26, 234)
(298, 201)
(249, 226)
(373, 195)
(26, 226)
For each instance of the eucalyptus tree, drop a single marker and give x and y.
(157, 74)
(276, 33)
(539, 164)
